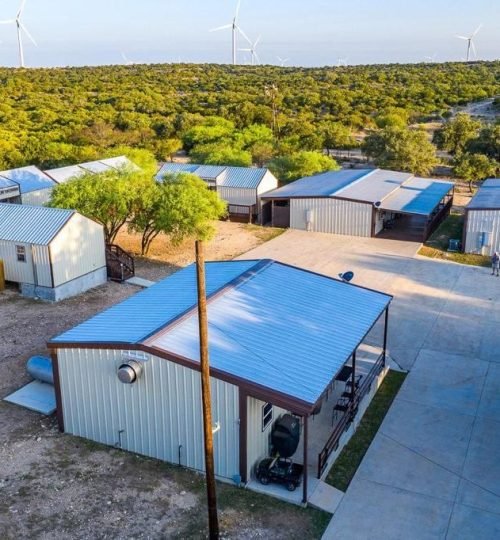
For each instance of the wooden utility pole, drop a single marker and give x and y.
(213, 522)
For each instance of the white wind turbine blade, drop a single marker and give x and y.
(225, 27)
(238, 5)
(256, 42)
(21, 9)
(30, 37)
(244, 35)
(245, 50)
(477, 30)
(257, 57)
(461, 37)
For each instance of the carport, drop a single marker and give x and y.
(415, 210)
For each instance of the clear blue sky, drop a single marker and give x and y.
(309, 32)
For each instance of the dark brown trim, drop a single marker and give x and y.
(255, 390)
(260, 265)
(306, 441)
(51, 267)
(57, 388)
(464, 230)
(243, 408)
(374, 221)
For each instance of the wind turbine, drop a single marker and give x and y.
(282, 61)
(342, 61)
(431, 59)
(470, 42)
(253, 51)
(235, 29)
(20, 29)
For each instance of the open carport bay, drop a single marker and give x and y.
(433, 470)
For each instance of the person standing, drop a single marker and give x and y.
(495, 263)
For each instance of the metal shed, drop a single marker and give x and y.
(64, 174)
(240, 187)
(362, 202)
(51, 253)
(34, 186)
(278, 337)
(482, 220)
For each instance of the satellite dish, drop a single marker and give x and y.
(346, 276)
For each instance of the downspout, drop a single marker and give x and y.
(304, 473)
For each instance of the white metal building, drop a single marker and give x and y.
(362, 202)
(51, 253)
(35, 187)
(482, 220)
(278, 337)
(240, 187)
(64, 174)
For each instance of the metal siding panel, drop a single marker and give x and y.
(37, 198)
(18, 272)
(237, 195)
(159, 412)
(41, 261)
(479, 221)
(77, 250)
(257, 440)
(267, 183)
(332, 215)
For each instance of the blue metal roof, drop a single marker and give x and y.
(31, 224)
(320, 185)
(374, 186)
(487, 196)
(417, 196)
(235, 177)
(279, 327)
(28, 178)
(144, 313)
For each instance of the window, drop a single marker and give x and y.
(21, 253)
(267, 415)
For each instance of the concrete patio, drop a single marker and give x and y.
(433, 469)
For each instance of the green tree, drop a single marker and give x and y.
(109, 198)
(488, 142)
(301, 164)
(221, 154)
(181, 206)
(402, 150)
(165, 149)
(213, 129)
(337, 136)
(474, 167)
(457, 133)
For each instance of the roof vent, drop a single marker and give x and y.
(130, 371)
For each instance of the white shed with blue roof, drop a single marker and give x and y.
(49, 252)
(240, 187)
(362, 202)
(279, 337)
(35, 187)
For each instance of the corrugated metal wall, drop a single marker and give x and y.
(16, 271)
(41, 262)
(479, 221)
(37, 198)
(158, 415)
(379, 221)
(258, 445)
(332, 216)
(237, 195)
(78, 249)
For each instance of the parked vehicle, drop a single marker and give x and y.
(280, 470)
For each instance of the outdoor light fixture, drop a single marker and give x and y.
(130, 371)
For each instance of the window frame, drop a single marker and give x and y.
(267, 415)
(21, 253)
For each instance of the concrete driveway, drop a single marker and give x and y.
(433, 470)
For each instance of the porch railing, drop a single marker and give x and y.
(333, 441)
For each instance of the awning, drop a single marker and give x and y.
(417, 196)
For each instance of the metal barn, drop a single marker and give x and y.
(34, 186)
(64, 174)
(51, 253)
(363, 202)
(279, 337)
(240, 187)
(482, 220)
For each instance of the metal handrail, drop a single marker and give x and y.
(349, 414)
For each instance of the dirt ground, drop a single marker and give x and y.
(231, 240)
(54, 485)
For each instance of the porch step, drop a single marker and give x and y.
(325, 497)
(140, 282)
